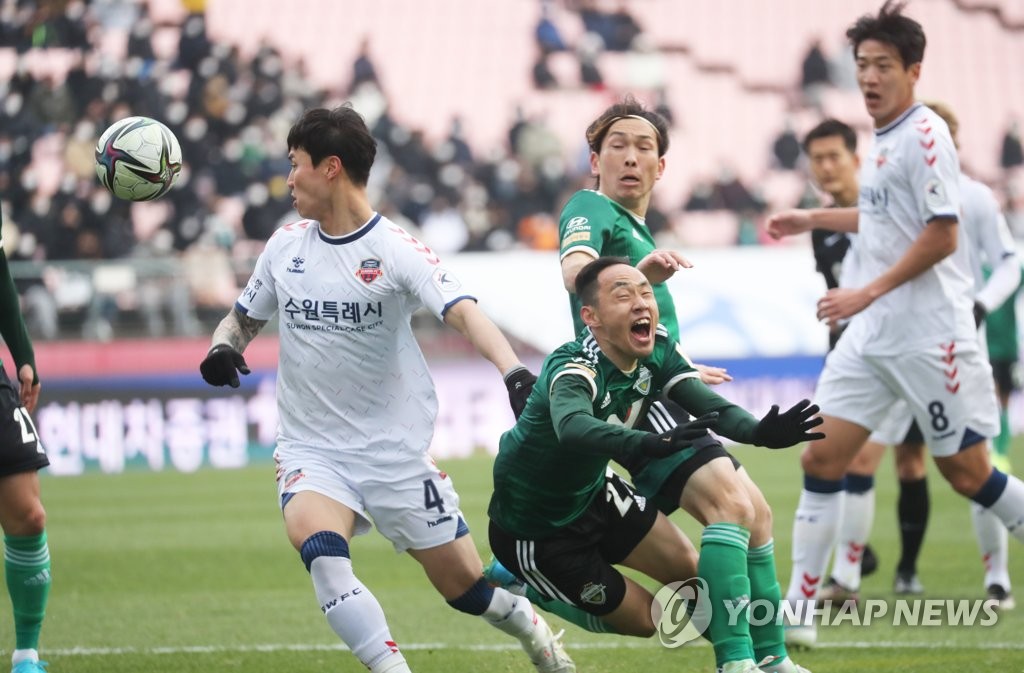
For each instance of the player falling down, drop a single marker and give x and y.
(561, 520)
(628, 144)
(912, 333)
(984, 232)
(356, 402)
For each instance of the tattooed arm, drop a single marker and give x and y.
(225, 360)
(237, 330)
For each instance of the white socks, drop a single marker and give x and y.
(355, 615)
(510, 614)
(815, 527)
(854, 531)
(993, 544)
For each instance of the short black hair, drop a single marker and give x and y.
(341, 133)
(586, 279)
(892, 28)
(629, 107)
(828, 129)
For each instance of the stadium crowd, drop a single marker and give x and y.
(230, 114)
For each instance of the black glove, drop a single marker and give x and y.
(979, 314)
(519, 381)
(779, 431)
(219, 367)
(678, 438)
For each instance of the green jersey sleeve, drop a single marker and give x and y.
(577, 429)
(585, 224)
(12, 324)
(696, 397)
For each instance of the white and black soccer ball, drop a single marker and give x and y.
(138, 159)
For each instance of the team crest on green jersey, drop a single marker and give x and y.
(643, 381)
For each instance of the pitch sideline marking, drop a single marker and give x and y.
(282, 647)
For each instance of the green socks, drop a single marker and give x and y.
(769, 638)
(723, 565)
(569, 613)
(27, 568)
(1001, 442)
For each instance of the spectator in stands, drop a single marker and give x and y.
(786, 148)
(622, 29)
(543, 78)
(814, 75)
(729, 193)
(587, 51)
(363, 69)
(443, 228)
(1012, 153)
(702, 197)
(548, 37)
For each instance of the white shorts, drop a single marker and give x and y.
(894, 427)
(412, 502)
(950, 393)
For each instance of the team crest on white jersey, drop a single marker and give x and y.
(446, 280)
(643, 381)
(369, 270)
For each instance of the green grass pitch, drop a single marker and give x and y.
(173, 573)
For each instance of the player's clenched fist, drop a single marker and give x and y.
(221, 366)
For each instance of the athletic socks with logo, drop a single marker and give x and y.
(27, 570)
(767, 635)
(723, 565)
(854, 529)
(354, 614)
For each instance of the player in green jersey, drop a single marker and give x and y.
(22, 516)
(560, 519)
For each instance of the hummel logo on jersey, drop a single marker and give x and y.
(40, 578)
(607, 400)
(296, 266)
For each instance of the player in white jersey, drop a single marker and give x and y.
(986, 236)
(357, 405)
(911, 334)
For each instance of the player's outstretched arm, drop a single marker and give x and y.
(793, 222)
(470, 321)
(224, 359)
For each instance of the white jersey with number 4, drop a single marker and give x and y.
(909, 178)
(351, 376)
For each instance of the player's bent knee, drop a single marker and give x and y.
(820, 464)
(325, 543)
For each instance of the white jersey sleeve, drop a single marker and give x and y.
(259, 298)
(421, 273)
(933, 170)
(991, 244)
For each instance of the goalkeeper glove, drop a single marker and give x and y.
(220, 365)
(519, 380)
(777, 431)
(678, 438)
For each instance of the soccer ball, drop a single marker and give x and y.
(138, 159)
